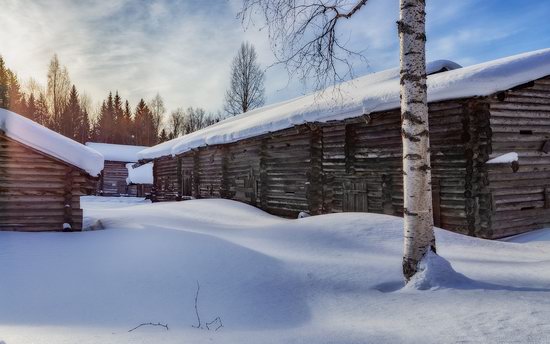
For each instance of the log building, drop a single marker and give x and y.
(287, 159)
(42, 176)
(112, 181)
(140, 177)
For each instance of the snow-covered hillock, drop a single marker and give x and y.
(322, 279)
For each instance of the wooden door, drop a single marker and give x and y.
(355, 196)
(187, 183)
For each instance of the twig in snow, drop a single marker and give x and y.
(218, 321)
(150, 324)
(196, 306)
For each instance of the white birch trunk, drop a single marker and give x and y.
(418, 218)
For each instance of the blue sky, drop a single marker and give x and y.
(183, 49)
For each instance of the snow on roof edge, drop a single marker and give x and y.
(117, 152)
(140, 175)
(371, 93)
(49, 142)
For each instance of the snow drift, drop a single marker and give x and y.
(322, 279)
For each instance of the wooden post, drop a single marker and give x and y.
(179, 179)
(196, 175)
(263, 175)
(68, 198)
(436, 202)
(387, 200)
(349, 149)
(315, 187)
(225, 191)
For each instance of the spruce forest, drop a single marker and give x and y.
(61, 107)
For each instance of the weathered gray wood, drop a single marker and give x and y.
(355, 165)
(39, 192)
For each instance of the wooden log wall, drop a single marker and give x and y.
(187, 187)
(355, 165)
(341, 166)
(287, 164)
(363, 169)
(210, 173)
(166, 186)
(113, 180)
(520, 122)
(39, 192)
(243, 171)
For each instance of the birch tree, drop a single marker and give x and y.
(417, 194)
(304, 38)
(156, 105)
(246, 90)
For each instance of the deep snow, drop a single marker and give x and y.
(322, 279)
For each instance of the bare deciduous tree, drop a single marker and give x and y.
(34, 87)
(58, 88)
(304, 39)
(303, 36)
(246, 91)
(157, 110)
(176, 123)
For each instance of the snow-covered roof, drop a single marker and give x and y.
(113, 152)
(370, 93)
(140, 175)
(49, 142)
(504, 158)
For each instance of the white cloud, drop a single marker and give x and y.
(184, 55)
(183, 49)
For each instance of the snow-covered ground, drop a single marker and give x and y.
(323, 279)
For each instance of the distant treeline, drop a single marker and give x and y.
(61, 107)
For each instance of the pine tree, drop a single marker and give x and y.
(106, 121)
(126, 125)
(24, 106)
(41, 115)
(4, 103)
(163, 137)
(15, 97)
(144, 127)
(117, 131)
(70, 117)
(31, 108)
(82, 130)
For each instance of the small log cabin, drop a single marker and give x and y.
(113, 178)
(490, 150)
(140, 176)
(42, 176)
